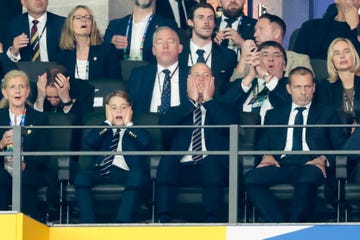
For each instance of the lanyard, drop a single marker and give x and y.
(127, 50)
(170, 77)
(10, 146)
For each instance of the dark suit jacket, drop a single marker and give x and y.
(20, 24)
(119, 26)
(33, 139)
(277, 97)
(223, 62)
(142, 82)
(133, 140)
(8, 10)
(332, 95)
(164, 9)
(246, 29)
(104, 62)
(315, 36)
(178, 139)
(6, 65)
(320, 138)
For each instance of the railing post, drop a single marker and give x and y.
(233, 173)
(17, 156)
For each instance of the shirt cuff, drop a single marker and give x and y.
(13, 57)
(271, 85)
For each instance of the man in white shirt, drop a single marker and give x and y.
(48, 26)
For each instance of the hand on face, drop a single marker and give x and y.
(62, 84)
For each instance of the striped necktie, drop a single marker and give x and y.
(35, 41)
(196, 135)
(108, 159)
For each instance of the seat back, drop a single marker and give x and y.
(104, 86)
(34, 69)
(128, 65)
(320, 68)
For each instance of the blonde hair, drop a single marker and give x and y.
(333, 73)
(67, 38)
(10, 75)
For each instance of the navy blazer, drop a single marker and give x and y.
(104, 62)
(246, 29)
(223, 63)
(178, 139)
(142, 83)
(277, 97)
(133, 140)
(164, 9)
(33, 139)
(325, 30)
(119, 26)
(6, 65)
(319, 138)
(332, 95)
(20, 24)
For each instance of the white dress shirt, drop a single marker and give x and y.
(158, 87)
(194, 56)
(137, 33)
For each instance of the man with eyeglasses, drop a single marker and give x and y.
(132, 34)
(56, 92)
(264, 87)
(199, 169)
(36, 28)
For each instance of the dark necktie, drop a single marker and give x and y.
(108, 159)
(166, 92)
(201, 58)
(183, 24)
(196, 135)
(35, 41)
(297, 133)
(229, 22)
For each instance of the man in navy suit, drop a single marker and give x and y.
(210, 171)
(304, 172)
(234, 27)
(146, 83)
(49, 28)
(132, 34)
(221, 60)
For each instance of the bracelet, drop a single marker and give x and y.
(68, 103)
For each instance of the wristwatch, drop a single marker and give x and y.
(68, 103)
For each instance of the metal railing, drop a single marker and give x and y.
(233, 154)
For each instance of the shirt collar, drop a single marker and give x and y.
(171, 67)
(293, 106)
(207, 48)
(42, 19)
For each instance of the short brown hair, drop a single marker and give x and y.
(118, 93)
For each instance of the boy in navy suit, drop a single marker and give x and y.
(128, 170)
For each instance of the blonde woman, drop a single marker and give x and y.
(83, 53)
(15, 89)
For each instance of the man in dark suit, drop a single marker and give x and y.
(210, 170)
(221, 60)
(48, 27)
(147, 83)
(304, 172)
(234, 27)
(170, 9)
(264, 86)
(132, 34)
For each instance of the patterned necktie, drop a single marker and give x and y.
(297, 133)
(108, 159)
(183, 23)
(35, 41)
(166, 92)
(196, 135)
(201, 57)
(229, 22)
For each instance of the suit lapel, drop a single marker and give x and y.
(150, 84)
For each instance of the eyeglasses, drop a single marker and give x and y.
(86, 18)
